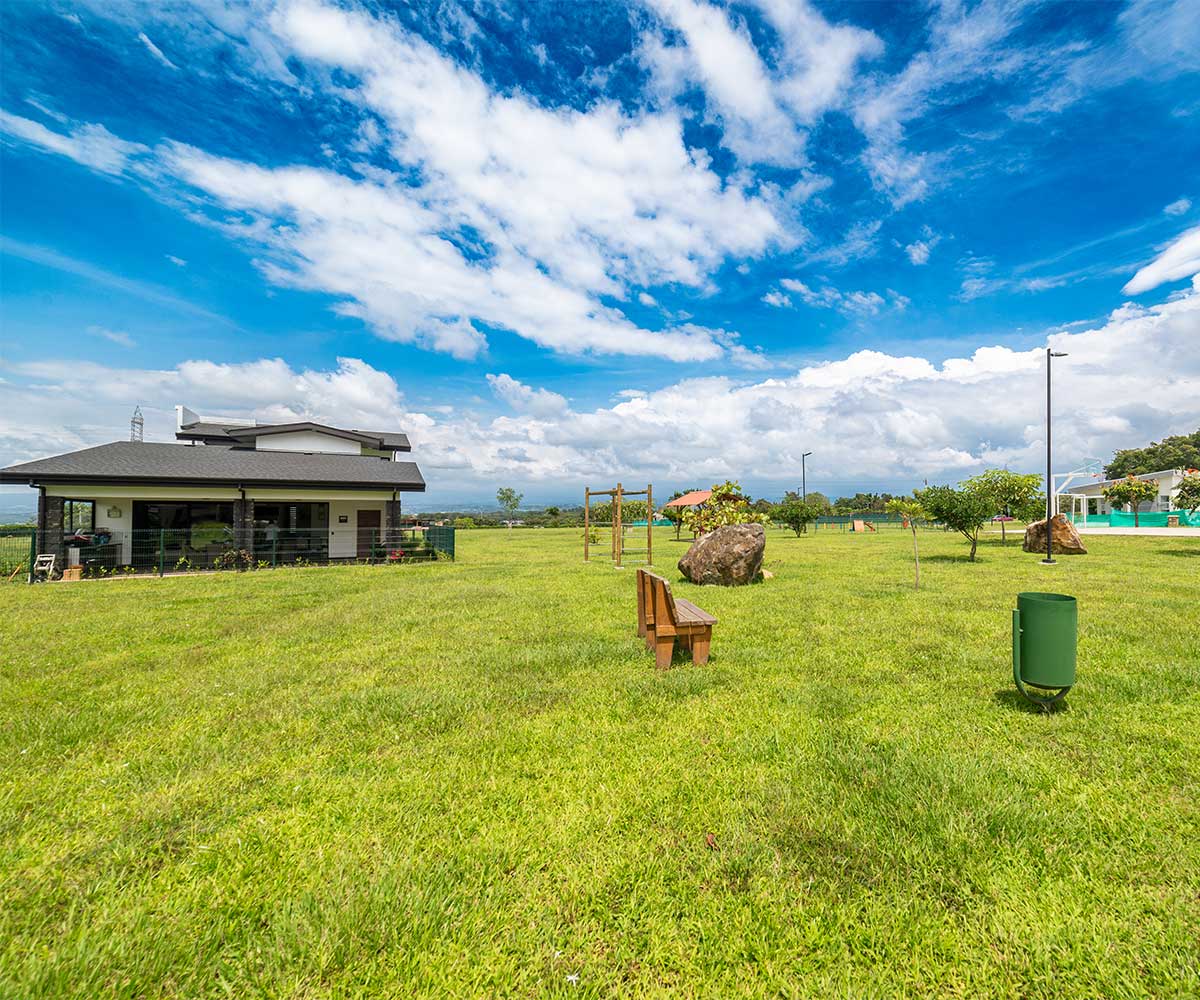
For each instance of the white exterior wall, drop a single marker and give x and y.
(343, 538)
(307, 441)
(1167, 483)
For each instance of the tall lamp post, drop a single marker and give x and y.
(1049, 560)
(803, 479)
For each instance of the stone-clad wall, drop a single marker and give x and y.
(50, 528)
(391, 521)
(243, 524)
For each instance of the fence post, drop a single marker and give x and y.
(162, 549)
(32, 552)
(274, 543)
(371, 557)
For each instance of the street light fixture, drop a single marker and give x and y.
(803, 479)
(1049, 560)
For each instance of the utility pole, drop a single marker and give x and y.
(1049, 560)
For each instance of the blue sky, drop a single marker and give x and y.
(569, 243)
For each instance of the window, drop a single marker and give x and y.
(78, 515)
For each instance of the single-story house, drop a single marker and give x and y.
(304, 489)
(1088, 499)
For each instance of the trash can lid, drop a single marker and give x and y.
(1038, 596)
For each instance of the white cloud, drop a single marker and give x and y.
(177, 261)
(1179, 260)
(523, 399)
(777, 299)
(763, 100)
(964, 46)
(879, 417)
(116, 336)
(91, 145)
(491, 234)
(155, 51)
(1178, 207)
(919, 250)
(854, 303)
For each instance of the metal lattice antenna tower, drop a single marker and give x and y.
(137, 426)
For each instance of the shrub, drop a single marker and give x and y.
(727, 505)
(234, 559)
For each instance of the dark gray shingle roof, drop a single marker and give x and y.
(129, 462)
(234, 433)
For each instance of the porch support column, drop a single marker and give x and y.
(243, 523)
(50, 527)
(391, 520)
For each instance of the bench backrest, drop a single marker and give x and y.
(660, 603)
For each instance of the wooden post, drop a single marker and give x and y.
(649, 524)
(618, 529)
(587, 499)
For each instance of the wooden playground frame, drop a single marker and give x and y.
(618, 528)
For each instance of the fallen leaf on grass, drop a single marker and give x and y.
(710, 841)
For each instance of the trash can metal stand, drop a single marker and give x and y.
(1045, 630)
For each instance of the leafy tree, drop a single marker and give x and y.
(464, 522)
(1188, 497)
(1182, 451)
(727, 505)
(1132, 492)
(631, 510)
(675, 514)
(1016, 494)
(552, 513)
(818, 500)
(964, 511)
(510, 500)
(861, 503)
(912, 511)
(795, 513)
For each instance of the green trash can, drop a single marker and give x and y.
(1045, 631)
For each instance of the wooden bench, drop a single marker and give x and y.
(663, 618)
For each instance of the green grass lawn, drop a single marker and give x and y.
(468, 779)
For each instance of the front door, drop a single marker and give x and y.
(368, 532)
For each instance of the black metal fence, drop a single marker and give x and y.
(214, 547)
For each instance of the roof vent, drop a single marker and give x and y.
(137, 426)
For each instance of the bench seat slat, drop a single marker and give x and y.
(688, 613)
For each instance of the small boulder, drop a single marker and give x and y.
(730, 556)
(1064, 539)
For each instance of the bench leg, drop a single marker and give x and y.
(700, 644)
(649, 636)
(664, 649)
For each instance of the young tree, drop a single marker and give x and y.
(910, 510)
(1012, 493)
(1130, 491)
(510, 500)
(1188, 497)
(965, 511)
(727, 505)
(795, 513)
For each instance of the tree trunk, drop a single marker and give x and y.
(975, 542)
(1003, 536)
(916, 560)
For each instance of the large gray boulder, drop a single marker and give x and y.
(1064, 539)
(730, 556)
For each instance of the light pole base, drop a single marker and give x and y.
(1049, 562)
